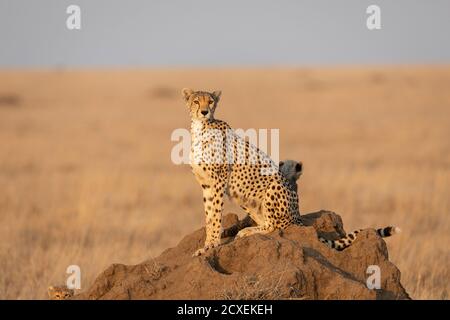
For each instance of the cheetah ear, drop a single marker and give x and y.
(50, 289)
(216, 95)
(299, 168)
(187, 93)
(281, 164)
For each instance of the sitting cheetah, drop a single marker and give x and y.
(225, 164)
(292, 170)
(59, 293)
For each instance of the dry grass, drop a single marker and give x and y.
(258, 287)
(86, 176)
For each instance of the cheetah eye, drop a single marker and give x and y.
(57, 295)
(211, 101)
(196, 102)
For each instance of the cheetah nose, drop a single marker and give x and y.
(204, 112)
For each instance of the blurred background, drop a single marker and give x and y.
(86, 117)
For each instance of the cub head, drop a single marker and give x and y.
(201, 104)
(59, 293)
(291, 169)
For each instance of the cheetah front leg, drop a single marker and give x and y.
(213, 202)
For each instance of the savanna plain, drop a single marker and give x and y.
(86, 175)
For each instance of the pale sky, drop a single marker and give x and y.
(134, 33)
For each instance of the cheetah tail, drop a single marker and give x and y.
(346, 241)
(388, 231)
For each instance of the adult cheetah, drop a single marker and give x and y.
(225, 164)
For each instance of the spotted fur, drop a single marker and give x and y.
(292, 171)
(245, 174)
(59, 293)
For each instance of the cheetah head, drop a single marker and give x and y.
(201, 104)
(60, 293)
(291, 169)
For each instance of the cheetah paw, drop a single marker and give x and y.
(203, 250)
(199, 252)
(241, 234)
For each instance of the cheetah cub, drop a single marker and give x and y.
(225, 164)
(59, 293)
(292, 170)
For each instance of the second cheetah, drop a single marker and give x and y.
(292, 170)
